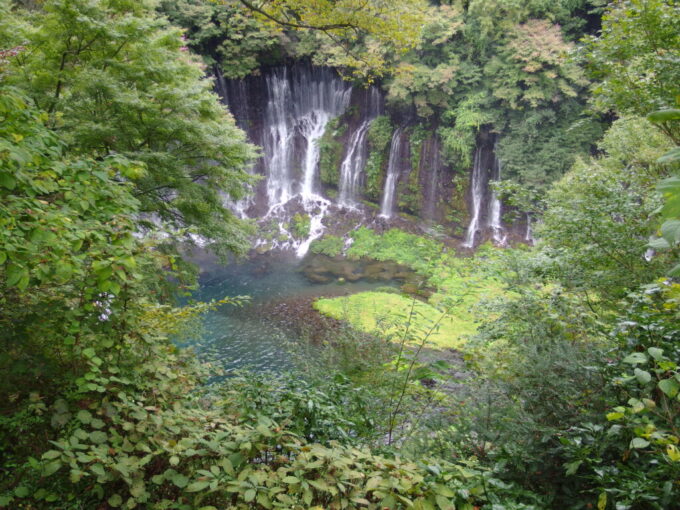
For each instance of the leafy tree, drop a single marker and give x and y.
(355, 34)
(531, 68)
(223, 33)
(537, 147)
(634, 59)
(116, 79)
(71, 267)
(600, 215)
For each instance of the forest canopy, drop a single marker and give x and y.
(541, 373)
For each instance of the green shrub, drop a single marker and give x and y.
(379, 136)
(300, 225)
(330, 150)
(328, 245)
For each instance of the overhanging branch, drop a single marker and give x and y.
(324, 28)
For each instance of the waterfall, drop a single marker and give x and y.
(529, 235)
(355, 160)
(352, 165)
(387, 206)
(495, 212)
(300, 102)
(278, 139)
(318, 97)
(477, 194)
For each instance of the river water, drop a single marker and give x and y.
(264, 332)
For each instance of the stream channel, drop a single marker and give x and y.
(259, 334)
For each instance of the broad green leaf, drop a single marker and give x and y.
(639, 442)
(51, 455)
(180, 480)
(671, 156)
(98, 437)
(21, 491)
(572, 467)
(655, 353)
(51, 468)
(15, 274)
(7, 181)
(115, 501)
(664, 115)
(197, 486)
(642, 376)
(659, 244)
(670, 387)
(84, 416)
(635, 358)
(670, 230)
(443, 503)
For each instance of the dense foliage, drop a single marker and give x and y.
(113, 147)
(116, 79)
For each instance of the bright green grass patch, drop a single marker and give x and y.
(388, 314)
(461, 286)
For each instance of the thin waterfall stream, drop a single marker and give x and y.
(500, 237)
(477, 195)
(352, 167)
(387, 206)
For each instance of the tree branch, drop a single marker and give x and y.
(332, 26)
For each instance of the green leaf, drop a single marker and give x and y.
(21, 491)
(443, 503)
(7, 181)
(670, 387)
(639, 442)
(642, 376)
(180, 480)
(572, 467)
(98, 469)
(249, 495)
(664, 115)
(51, 468)
(659, 244)
(51, 455)
(115, 501)
(197, 486)
(671, 156)
(15, 274)
(655, 353)
(63, 271)
(84, 416)
(98, 437)
(635, 358)
(670, 230)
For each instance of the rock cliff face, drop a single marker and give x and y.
(333, 151)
